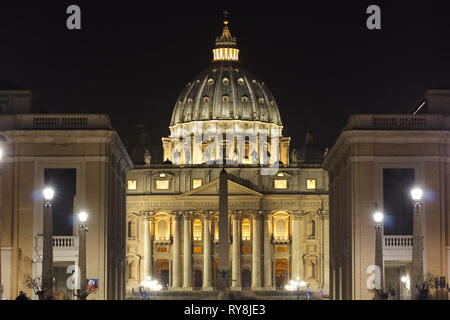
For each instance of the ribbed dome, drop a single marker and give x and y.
(228, 92)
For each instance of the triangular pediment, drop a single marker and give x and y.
(212, 189)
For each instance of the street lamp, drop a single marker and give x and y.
(417, 250)
(47, 263)
(405, 281)
(151, 285)
(82, 217)
(378, 218)
(295, 285)
(1, 283)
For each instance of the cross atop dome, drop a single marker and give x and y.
(226, 44)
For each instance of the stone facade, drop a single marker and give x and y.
(275, 235)
(32, 143)
(369, 144)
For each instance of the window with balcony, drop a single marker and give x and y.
(280, 229)
(246, 230)
(197, 230)
(162, 232)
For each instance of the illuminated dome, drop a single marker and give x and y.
(225, 98)
(225, 91)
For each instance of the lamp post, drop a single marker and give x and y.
(1, 283)
(47, 263)
(417, 250)
(82, 217)
(378, 219)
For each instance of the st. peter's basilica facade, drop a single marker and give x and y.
(278, 222)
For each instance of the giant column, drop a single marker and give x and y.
(223, 276)
(296, 246)
(256, 251)
(236, 258)
(187, 253)
(267, 252)
(325, 251)
(176, 251)
(148, 254)
(207, 252)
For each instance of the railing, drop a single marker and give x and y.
(55, 121)
(398, 241)
(65, 242)
(398, 122)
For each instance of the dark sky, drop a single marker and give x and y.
(132, 58)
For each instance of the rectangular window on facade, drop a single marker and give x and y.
(132, 184)
(310, 184)
(196, 183)
(280, 184)
(162, 184)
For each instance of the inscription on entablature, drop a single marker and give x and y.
(292, 203)
(190, 204)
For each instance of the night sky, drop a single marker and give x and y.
(132, 58)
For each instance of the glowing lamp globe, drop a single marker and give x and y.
(378, 217)
(83, 216)
(48, 193)
(416, 194)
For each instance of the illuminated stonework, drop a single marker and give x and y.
(226, 104)
(278, 229)
(226, 54)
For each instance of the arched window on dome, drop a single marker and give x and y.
(225, 81)
(247, 148)
(241, 81)
(244, 98)
(246, 230)
(225, 111)
(210, 81)
(205, 99)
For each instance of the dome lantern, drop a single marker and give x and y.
(226, 49)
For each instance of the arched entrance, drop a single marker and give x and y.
(162, 272)
(280, 273)
(198, 279)
(246, 280)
